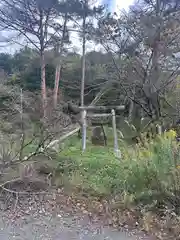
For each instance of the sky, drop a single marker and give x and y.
(123, 4)
(114, 6)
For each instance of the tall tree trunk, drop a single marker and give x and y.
(59, 65)
(83, 61)
(151, 84)
(56, 84)
(43, 67)
(83, 113)
(131, 107)
(155, 66)
(43, 85)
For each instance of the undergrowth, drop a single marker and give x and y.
(149, 173)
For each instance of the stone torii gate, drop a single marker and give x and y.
(87, 111)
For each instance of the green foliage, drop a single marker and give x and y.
(148, 173)
(6, 62)
(31, 79)
(99, 175)
(24, 67)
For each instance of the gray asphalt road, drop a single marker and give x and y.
(61, 227)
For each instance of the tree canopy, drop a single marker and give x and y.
(137, 63)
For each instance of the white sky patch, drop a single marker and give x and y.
(122, 4)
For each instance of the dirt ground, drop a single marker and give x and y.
(58, 228)
(36, 218)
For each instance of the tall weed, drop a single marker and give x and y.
(150, 173)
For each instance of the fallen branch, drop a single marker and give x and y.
(54, 143)
(22, 193)
(16, 203)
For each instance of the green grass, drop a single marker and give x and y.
(148, 174)
(97, 166)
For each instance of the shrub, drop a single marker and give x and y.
(150, 173)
